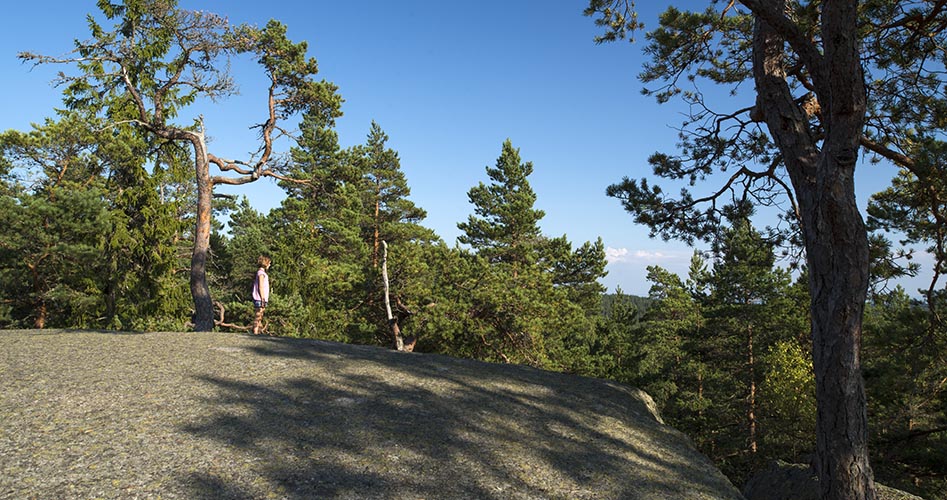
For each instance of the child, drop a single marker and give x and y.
(261, 292)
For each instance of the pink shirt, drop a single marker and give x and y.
(261, 286)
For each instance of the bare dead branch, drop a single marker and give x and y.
(220, 322)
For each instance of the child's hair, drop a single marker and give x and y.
(263, 261)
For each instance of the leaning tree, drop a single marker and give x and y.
(158, 59)
(829, 80)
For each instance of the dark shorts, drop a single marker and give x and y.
(259, 304)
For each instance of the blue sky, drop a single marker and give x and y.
(448, 82)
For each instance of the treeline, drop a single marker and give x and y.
(95, 239)
(103, 219)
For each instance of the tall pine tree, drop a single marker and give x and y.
(532, 303)
(391, 216)
(316, 241)
(505, 227)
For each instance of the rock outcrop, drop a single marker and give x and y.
(216, 415)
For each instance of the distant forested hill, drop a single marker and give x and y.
(641, 304)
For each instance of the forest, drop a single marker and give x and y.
(111, 222)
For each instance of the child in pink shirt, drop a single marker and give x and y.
(261, 293)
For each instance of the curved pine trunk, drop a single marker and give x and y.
(837, 255)
(203, 318)
(822, 171)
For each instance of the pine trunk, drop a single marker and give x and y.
(837, 254)
(751, 396)
(203, 305)
(822, 171)
(376, 237)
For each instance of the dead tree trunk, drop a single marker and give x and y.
(392, 322)
(399, 341)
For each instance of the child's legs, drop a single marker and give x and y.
(257, 320)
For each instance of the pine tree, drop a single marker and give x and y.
(50, 255)
(829, 78)
(505, 227)
(576, 272)
(668, 363)
(391, 216)
(316, 235)
(613, 349)
(742, 311)
(906, 381)
(740, 286)
(142, 290)
(133, 277)
(158, 59)
(537, 300)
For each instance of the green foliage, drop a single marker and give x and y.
(750, 310)
(905, 374)
(576, 272)
(905, 346)
(142, 258)
(618, 23)
(710, 350)
(50, 256)
(505, 227)
(787, 397)
(914, 208)
(152, 44)
(390, 215)
(325, 237)
(799, 89)
(612, 350)
(688, 49)
(613, 301)
(291, 72)
(536, 300)
(133, 275)
(158, 59)
(97, 232)
(669, 360)
(451, 277)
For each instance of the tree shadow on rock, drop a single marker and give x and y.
(339, 421)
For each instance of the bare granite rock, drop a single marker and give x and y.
(218, 415)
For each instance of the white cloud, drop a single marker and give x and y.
(613, 255)
(623, 255)
(627, 268)
(645, 255)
